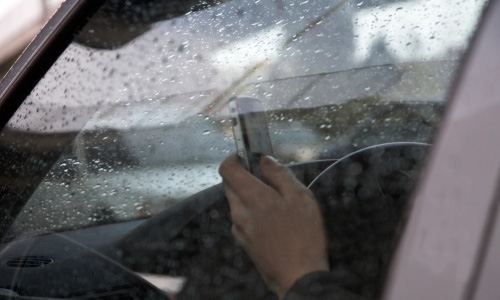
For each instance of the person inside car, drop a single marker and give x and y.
(279, 224)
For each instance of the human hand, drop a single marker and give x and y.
(278, 222)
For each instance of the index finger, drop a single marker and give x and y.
(280, 177)
(244, 184)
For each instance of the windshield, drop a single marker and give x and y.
(143, 124)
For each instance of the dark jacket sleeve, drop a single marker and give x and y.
(319, 286)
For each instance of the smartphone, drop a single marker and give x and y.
(251, 132)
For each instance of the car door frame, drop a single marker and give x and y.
(444, 246)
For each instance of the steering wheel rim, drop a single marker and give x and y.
(210, 242)
(363, 198)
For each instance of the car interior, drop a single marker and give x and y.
(109, 179)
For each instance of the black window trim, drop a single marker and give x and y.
(41, 54)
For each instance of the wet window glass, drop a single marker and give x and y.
(134, 112)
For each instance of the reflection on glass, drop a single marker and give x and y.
(149, 118)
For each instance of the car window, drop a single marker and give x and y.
(132, 120)
(148, 119)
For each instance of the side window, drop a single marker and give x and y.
(151, 108)
(130, 124)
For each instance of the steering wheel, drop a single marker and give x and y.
(363, 197)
